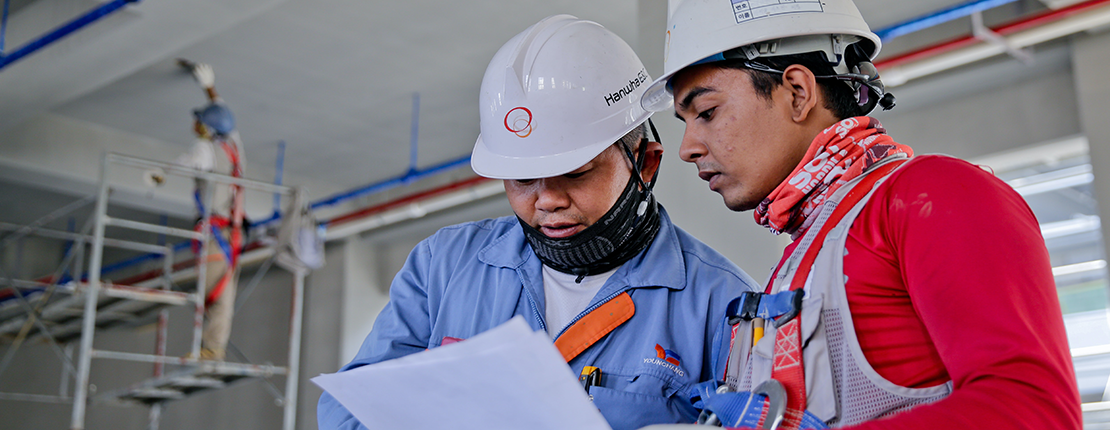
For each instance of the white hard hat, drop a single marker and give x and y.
(554, 97)
(699, 31)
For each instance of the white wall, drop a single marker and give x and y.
(1092, 61)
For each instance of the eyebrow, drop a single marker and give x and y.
(694, 93)
(690, 96)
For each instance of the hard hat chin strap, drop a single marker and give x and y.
(639, 160)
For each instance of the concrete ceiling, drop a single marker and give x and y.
(334, 79)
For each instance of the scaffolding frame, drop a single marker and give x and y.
(101, 304)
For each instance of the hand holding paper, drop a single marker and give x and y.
(506, 378)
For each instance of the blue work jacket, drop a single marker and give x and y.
(468, 278)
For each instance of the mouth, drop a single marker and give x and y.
(560, 230)
(709, 176)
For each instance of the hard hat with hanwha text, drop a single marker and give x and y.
(699, 31)
(554, 97)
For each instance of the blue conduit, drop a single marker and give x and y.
(60, 32)
(938, 17)
(411, 176)
(4, 25)
(278, 169)
(414, 133)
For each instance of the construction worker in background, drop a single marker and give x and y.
(215, 130)
(917, 289)
(590, 257)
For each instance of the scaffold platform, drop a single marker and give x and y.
(201, 376)
(62, 309)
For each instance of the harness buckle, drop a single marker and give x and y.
(744, 308)
(795, 308)
(776, 402)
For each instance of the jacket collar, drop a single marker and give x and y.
(660, 265)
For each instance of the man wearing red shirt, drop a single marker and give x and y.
(917, 293)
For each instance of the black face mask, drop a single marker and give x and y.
(625, 230)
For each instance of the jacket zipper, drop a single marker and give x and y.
(531, 301)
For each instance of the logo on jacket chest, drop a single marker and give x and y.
(666, 358)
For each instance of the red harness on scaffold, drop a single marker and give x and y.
(219, 223)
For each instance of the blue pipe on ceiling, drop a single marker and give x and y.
(938, 17)
(4, 25)
(63, 31)
(279, 169)
(409, 177)
(414, 133)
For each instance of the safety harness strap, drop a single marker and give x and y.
(787, 367)
(236, 234)
(232, 247)
(846, 204)
(595, 325)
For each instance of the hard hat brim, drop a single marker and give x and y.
(496, 166)
(658, 97)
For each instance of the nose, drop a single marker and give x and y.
(550, 196)
(692, 148)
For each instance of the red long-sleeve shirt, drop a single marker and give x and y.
(949, 279)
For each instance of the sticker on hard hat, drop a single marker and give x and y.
(519, 121)
(623, 92)
(747, 10)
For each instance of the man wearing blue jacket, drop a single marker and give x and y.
(590, 257)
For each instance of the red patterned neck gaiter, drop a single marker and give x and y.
(839, 154)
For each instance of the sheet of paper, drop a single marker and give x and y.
(506, 378)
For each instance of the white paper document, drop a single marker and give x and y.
(509, 377)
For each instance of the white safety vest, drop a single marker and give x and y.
(841, 386)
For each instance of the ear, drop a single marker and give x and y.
(652, 158)
(803, 91)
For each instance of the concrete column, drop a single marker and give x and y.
(364, 296)
(321, 335)
(1091, 61)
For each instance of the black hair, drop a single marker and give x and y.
(840, 98)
